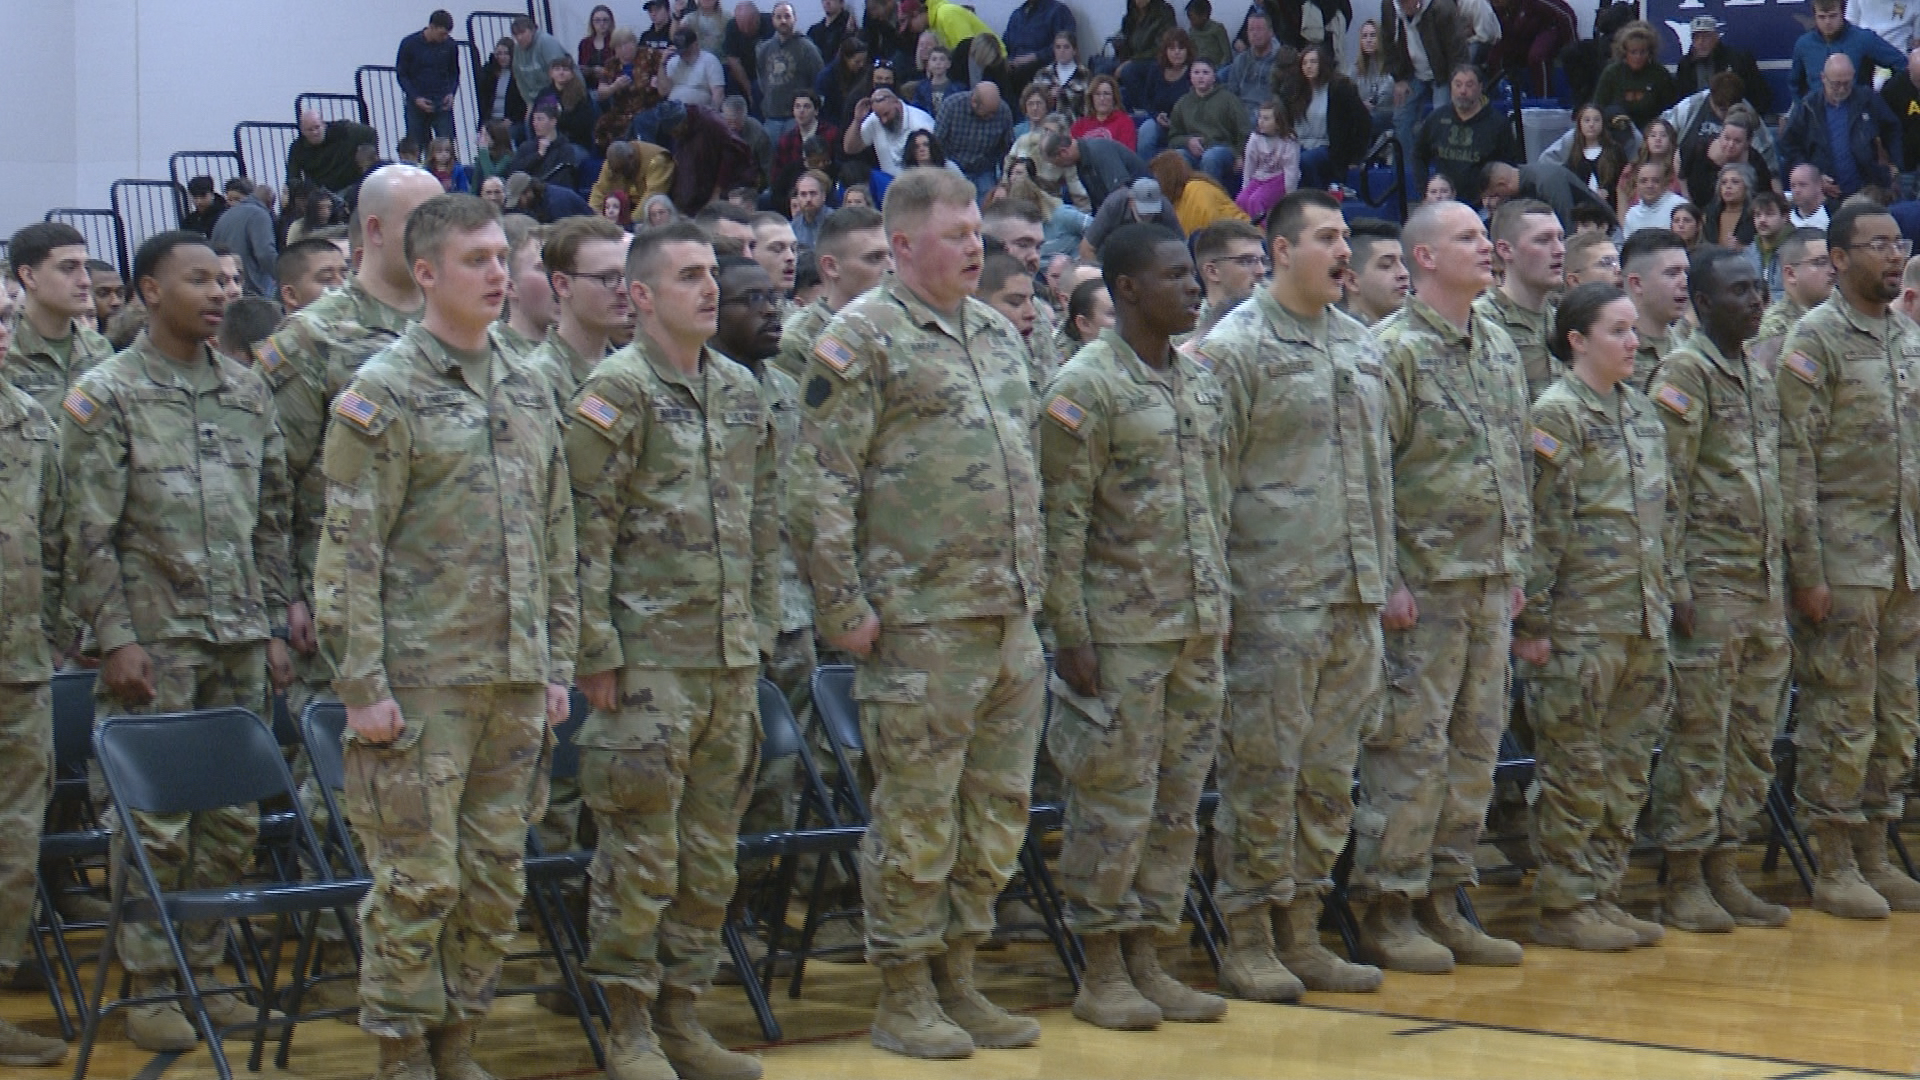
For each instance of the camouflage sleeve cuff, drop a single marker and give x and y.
(1073, 632)
(560, 672)
(362, 692)
(114, 635)
(843, 618)
(277, 616)
(594, 659)
(1535, 622)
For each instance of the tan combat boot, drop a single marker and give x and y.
(1177, 1000)
(1304, 955)
(1107, 996)
(988, 1025)
(1644, 932)
(21, 1047)
(1583, 928)
(690, 1047)
(1723, 880)
(161, 1026)
(1689, 904)
(451, 1047)
(229, 1009)
(1250, 970)
(1439, 916)
(632, 1052)
(908, 1020)
(1887, 878)
(1391, 938)
(1840, 890)
(404, 1058)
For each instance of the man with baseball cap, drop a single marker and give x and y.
(1709, 56)
(1141, 201)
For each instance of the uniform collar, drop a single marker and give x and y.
(28, 342)
(376, 312)
(666, 371)
(1450, 335)
(1699, 342)
(1877, 329)
(1285, 322)
(923, 313)
(1612, 406)
(443, 362)
(162, 370)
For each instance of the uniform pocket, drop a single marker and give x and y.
(1835, 656)
(387, 786)
(897, 686)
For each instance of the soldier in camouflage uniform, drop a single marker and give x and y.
(32, 638)
(1850, 445)
(1806, 279)
(1528, 238)
(532, 308)
(585, 259)
(447, 607)
(1653, 266)
(917, 511)
(178, 555)
(672, 453)
(1137, 597)
(1311, 556)
(1593, 634)
(853, 256)
(1457, 416)
(54, 342)
(1730, 653)
(1018, 225)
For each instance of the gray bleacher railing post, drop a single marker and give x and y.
(219, 165)
(144, 208)
(101, 228)
(384, 104)
(262, 147)
(331, 107)
(466, 103)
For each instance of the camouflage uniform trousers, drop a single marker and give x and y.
(1716, 759)
(1857, 708)
(443, 812)
(1598, 705)
(1302, 688)
(1426, 774)
(26, 781)
(1132, 810)
(189, 851)
(951, 713)
(668, 805)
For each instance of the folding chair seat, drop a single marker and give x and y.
(193, 762)
(67, 855)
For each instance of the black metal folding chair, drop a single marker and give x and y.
(186, 763)
(67, 853)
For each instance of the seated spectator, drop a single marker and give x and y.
(924, 151)
(577, 111)
(1654, 199)
(1064, 80)
(1102, 166)
(1709, 55)
(547, 154)
(1271, 161)
(246, 229)
(1532, 33)
(977, 131)
(1197, 200)
(534, 51)
(1770, 231)
(1065, 223)
(1036, 104)
(617, 73)
(208, 205)
(1439, 189)
(1636, 84)
(1031, 148)
(1209, 126)
(1590, 153)
(708, 157)
(407, 152)
(499, 95)
(427, 66)
(1326, 116)
(1151, 89)
(657, 36)
(693, 76)
(1105, 118)
(808, 207)
(1139, 201)
(882, 121)
(1143, 30)
(323, 210)
(856, 195)
(638, 169)
(1252, 75)
(836, 84)
(657, 211)
(326, 154)
(835, 27)
(1806, 197)
(544, 202)
(1872, 141)
(494, 190)
(1462, 138)
(787, 62)
(1902, 95)
(1210, 41)
(740, 52)
(939, 84)
(789, 154)
(1554, 185)
(1728, 219)
(596, 49)
(1659, 142)
(1733, 143)
(1685, 223)
(445, 168)
(734, 112)
(1034, 30)
(494, 157)
(1833, 35)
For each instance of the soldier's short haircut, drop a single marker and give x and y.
(153, 253)
(728, 247)
(1012, 210)
(101, 266)
(768, 217)
(722, 210)
(247, 322)
(1578, 311)
(1846, 221)
(997, 270)
(1794, 247)
(912, 197)
(561, 250)
(33, 244)
(521, 230)
(1423, 227)
(429, 226)
(843, 223)
(1130, 251)
(1704, 268)
(1213, 241)
(1910, 277)
(1644, 244)
(643, 257)
(1370, 233)
(1506, 223)
(1080, 302)
(1289, 215)
(1581, 244)
(298, 258)
(734, 262)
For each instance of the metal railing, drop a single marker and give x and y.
(262, 148)
(144, 208)
(384, 104)
(331, 107)
(217, 165)
(102, 229)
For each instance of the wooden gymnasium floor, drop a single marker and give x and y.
(1823, 998)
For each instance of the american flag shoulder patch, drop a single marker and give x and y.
(1070, 415)
(834, 353)
(350, 406)
(596, 411)
(1545, 445)
(1675, 400)
(269, 356)
(80, 406)
(1804, 367)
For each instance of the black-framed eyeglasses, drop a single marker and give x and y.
(612, 280)
(754, 298)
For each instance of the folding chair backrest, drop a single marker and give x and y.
(187, 762)
(321, 727)
(780, 737)
(72, 722)
(833, 701)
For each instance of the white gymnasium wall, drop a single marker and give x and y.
(99, 90)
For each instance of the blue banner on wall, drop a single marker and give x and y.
(1765, 28)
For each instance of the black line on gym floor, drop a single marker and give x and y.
(1818, 1067)
(160, 1063)
(1803, 1074)
(1431, 1028)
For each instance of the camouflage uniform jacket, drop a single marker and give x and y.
(677, 480)
(1457, 416)
(1043, 348)
(782, 395)
(562, 366)
(1307, 458)
(515, 344)
(1599, 511)
(920, 498)
(798, 333)
(1775, 325)
(33, 366)
(448, 557)
(32, 547)
(1528, 332)
(1726, 523)
(1646, 358)
(307, 362)
(1850, 447)
(178, 501)
(1134, 485)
